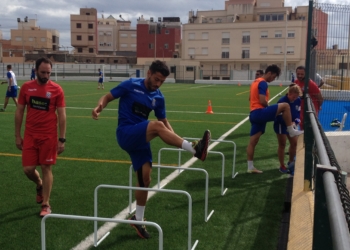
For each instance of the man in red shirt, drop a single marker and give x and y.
(314, 93)
(40, 145)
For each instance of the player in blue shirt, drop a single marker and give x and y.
(32, 74)
(100, 79)
(137, 98)
(293, 99)
(11, 88)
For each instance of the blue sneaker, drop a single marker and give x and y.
(284, 170)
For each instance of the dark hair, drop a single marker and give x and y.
(42, 60)
(159, 66)
(9, 66)
(301, 67)
(274, 69)
(260, 71)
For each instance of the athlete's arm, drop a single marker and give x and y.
(166, 124)
(102, 103)
(61, 114)
(262, 100)
(18, 124)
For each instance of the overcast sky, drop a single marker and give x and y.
(56, 14)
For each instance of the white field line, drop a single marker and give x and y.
(89, 240)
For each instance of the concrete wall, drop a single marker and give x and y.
(340, 143)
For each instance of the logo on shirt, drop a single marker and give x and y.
(31, 89)
(153, 102)
(39, 103)
(48, 94)
(139, 91)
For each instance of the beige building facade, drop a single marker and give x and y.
(246, 35)
(29, 34)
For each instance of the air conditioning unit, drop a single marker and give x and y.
(192, 56)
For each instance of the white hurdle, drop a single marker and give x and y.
(223, 190)
(146, 189)
(206, 216)
(224, 141)
(95, 219)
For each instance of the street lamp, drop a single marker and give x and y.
(23, 54)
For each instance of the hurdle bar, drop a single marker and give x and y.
(223, 190)
(224, 141)
(95, 219)
(146, 189)
(206, 216)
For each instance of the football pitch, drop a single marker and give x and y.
(248, 216)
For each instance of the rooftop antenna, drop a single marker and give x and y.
(121, 17)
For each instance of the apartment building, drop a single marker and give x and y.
(29, 34)
(115, 35)
(158, 39)
(246, 35)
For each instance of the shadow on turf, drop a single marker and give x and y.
(13, 215)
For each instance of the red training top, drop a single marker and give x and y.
(42, 102)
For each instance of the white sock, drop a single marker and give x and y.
(140, 212)
(188, 146)
(250, 165)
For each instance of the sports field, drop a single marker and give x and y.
(247, 217)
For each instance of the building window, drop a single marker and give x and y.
(191, 51)
(263, 50)
(18, 38)
(78, 25)
(290, 50)
(80, 50)
(245, 53)
(43, 39)
(291, 66)
(225, 53)
(150, 45)
(167, 32)
(191, 36)
(109, 33)
(166, 46)
(102, 60)
(101, 33)
(245, 66)
(123, 45)
(277, 50)
(218, 20)
(90, 26)
(225, 38)
(123, 35)
(133, 35)
(30, 39)
(133, 45)
(246, 37)
(263, 34)
(278, 34)
(91, 38)
(224, 69)
(115, 61)
(271, 17)
(204, 51)
(291, 34)
(79, 38)
(188, 68)
(91, 50)
(205, 35)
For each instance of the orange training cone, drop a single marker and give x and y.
(209, 109)
(280, 84)
(239, 84)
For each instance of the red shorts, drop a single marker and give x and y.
(39, 150)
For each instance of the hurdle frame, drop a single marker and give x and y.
(224, 141)
(95, 219)
(145, 189)
(206, 216)
(223, 190)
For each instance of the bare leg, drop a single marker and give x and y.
(15, 100)
(284, 108)
(157, 128)
(6, 102)
(47, 182)
(141, 196)
(292, 147)
(33, 175)
(281, 147)
(253, 141)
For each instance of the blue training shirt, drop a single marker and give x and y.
(294, 109)
(136, 102)
(263, 86)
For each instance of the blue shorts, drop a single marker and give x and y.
(259, 117)
(100, 80)
(12, 93)
(280, 128)
(133, 140)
